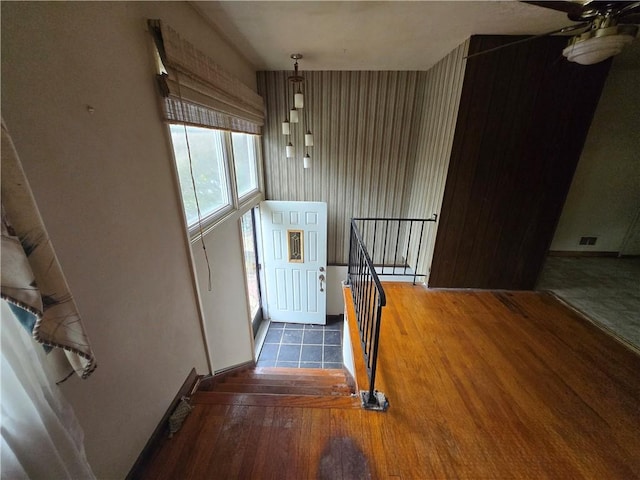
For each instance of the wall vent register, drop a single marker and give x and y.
(588, 240)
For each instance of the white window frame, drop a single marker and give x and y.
(236, 204)
(257, 149)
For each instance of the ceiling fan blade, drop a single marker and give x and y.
(628, 10)
(570, 28)
(582, 10)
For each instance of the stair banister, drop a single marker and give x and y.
(399, 240)
(368, 299)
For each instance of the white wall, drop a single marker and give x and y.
(105, 186)
(335, 301)
(225, 308)
(631, 242)
(605, 193)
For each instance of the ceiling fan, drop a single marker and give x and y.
(604, 28)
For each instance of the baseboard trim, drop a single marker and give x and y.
(568, 253)
(189, 386)
(233, 369)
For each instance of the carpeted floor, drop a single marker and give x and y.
(607, 290)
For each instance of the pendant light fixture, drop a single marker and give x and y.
(297, 114)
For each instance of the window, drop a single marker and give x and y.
(244, 157)
(214, 154)
(248, 224)
(209, 171)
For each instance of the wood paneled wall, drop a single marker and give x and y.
(366, 128)
(443, 88)
(382, 142)
(524, 115)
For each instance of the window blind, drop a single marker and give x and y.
(197, 91)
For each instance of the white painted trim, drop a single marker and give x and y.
(347, 347)
(191, 260)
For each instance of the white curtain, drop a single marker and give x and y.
(31, 277)
(41, 437)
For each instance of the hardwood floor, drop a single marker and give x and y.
(491, 385)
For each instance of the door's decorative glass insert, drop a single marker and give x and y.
(295, 246)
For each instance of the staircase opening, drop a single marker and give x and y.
(400, 250)
(269, 386)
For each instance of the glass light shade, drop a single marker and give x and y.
(285, 128)
(290, 150)
(308, 139)
(293, 116)
(596, 49)
(307, 161)
(298, 100)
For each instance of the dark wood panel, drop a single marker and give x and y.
(482, 385)
(524, 115)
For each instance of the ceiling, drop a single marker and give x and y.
(363, 35)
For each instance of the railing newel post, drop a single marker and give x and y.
(384, 249)
(418, 252)
(373, 249)
(349, 258)
(406, 256)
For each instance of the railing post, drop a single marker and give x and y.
(418, 251)
(406, 255)
(350, 258)
(373, 399)
(395, 255)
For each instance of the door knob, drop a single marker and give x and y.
(321, 277)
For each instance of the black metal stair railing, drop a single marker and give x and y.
(368, 300)
(366, 290)
(394, 244)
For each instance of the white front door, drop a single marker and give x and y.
(294, 236)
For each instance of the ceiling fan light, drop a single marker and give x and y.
(598, 45)
(596, 49)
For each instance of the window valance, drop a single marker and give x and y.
(197, 91)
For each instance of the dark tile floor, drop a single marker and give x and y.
(295, 345)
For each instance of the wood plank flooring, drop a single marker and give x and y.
(482, 385)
